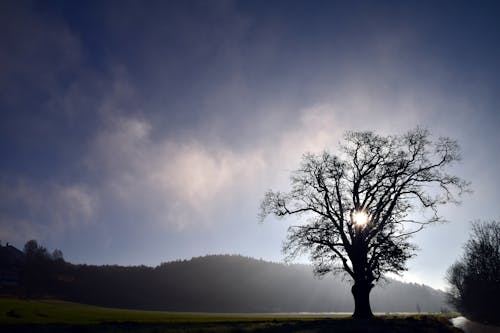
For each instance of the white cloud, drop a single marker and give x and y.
(191, 182)
(194, 182)
(177, 183)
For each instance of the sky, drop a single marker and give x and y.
(142, 132)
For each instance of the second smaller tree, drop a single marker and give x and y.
(475, 279)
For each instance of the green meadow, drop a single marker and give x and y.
(16, 311)
(17, 315)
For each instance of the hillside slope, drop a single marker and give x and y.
(229, 283)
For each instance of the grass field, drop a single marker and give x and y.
(58, 316)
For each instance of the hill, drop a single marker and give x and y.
(228, 283)
(215, 283)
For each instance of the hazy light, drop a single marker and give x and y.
(360, 218)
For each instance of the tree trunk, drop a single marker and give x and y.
(361, 292)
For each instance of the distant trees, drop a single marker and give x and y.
(359, 205)
(475, 279)
(41, 269)
(33, 251)
(230, 284)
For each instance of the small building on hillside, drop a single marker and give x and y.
(11, 260)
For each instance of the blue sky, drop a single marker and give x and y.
(141, 132)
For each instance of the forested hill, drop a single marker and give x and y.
(221, 283)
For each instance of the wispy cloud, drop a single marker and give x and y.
(176, 183)
(32, 210)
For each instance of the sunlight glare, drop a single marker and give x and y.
(360, 218)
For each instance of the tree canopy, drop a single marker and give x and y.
(363, 204)
(475, 279)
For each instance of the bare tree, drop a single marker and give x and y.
(475, 278)
(361, 205)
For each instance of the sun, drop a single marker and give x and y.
(360, 218)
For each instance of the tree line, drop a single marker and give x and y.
(218, 283)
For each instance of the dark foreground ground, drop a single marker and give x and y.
(56, 316)
(426, 324)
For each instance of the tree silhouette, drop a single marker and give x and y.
(360, 205)
(475, 279)
(40, 269)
